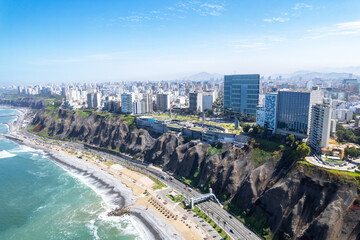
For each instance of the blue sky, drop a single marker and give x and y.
(88, 41)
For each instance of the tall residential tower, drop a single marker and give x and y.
(320, 126)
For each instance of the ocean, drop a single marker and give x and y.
(41, 200)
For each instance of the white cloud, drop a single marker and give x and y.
(251, 45)
(276, 19)
(345, 28)
(179, 10)
(284, 17)
(260, 43)
(299, 6)
(212, 8)
(275, 39)
(134, 18)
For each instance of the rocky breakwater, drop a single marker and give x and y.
(271, 190)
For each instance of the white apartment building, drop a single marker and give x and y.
(320, 126)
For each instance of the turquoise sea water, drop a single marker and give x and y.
(40, 200)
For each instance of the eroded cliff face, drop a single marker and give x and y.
(295, 200)
(24, 102)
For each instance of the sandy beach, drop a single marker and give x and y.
(116, 184)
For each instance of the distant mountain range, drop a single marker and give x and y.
(308, 75)
(335, 74)
(203, 76)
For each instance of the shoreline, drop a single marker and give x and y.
(152, 232)
(125, 191)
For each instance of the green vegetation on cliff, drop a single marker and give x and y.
(343, 177)
(215, 149)
(84, 113)
(264, 149)
(253, 193)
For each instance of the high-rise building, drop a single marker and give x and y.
(294, 111)
(241, 93)
(138, 107)
(97, 100)
(320, 126)
(148, 102)
(270, 109)
(260, 116)
(342, 114)
(93, 99)
(126, 103)
(332, 127)
(207, 101)
(357, 121)
(163, 101)
(90, 100)
(196, 101)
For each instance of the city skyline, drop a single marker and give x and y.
(115, 41)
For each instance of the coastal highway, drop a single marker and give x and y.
(238, 229)
(233, 227)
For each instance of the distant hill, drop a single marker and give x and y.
(203, 76)
(308, 75)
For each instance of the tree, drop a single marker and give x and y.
(290, 140)
(303, 150)
(218, 218)
(256, 129)
(340, 135)
(352, 152)
(246, 127)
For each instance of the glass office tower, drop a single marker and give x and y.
(241, 93)
(294, 111)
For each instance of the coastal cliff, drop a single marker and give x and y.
(276, 194)
(23, 102)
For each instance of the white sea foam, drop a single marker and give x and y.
(136, 227)
(6, 154)
(93, 228)
(24, 148)
(7, 126)
(127, 224)
(141, 229)
(90, 176)
(96, 178)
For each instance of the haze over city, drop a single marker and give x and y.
(95, 41)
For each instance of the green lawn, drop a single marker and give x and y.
(229, 126)
(83, 113)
